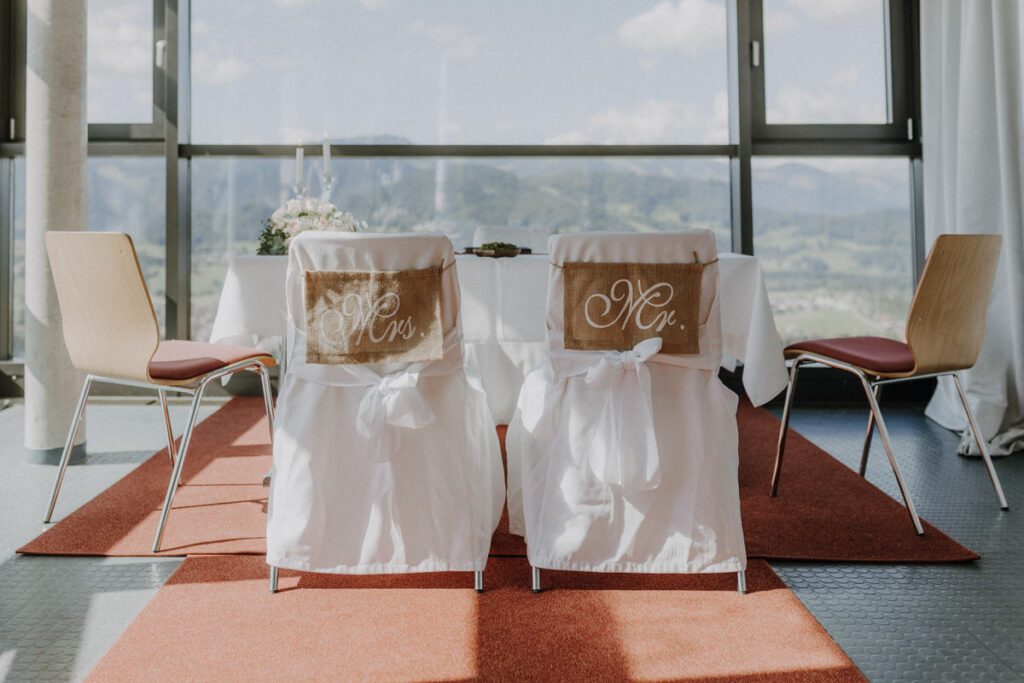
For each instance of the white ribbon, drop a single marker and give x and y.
(393, 402)
(622, 447)
(390, 402)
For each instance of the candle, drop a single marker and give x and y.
(299, 175)
(327, 156)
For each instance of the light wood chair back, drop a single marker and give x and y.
(946, 324)
(110, 327)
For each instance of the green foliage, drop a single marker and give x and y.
(497, 246)
(273, 241)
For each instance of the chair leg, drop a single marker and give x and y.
(68, 447)
(867, 437)
(982, 445)
(784, 428)
(179, 463)
(167, 425)
(535, 579)
(268, 397)
(741, 582)
(883, 433)
(273, 579)
(478, 581)
(268, 404)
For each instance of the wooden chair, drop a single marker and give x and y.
(111, 333)
(944, 334)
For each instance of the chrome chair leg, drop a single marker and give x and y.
(478, 581)
(167, 425)
(273, 579)
(883, 433)
(741, 582)
(867, 437)
(172, 485)
(268, 404)
(982, 445)
(268, 397)
(69, 445)
(535, 579)
(784, 428)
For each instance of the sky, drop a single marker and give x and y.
(488, 72)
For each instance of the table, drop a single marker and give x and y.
(503, 318)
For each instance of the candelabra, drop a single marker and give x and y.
(326, 185)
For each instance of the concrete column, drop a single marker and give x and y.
(55, 155)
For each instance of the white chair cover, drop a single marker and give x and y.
(627, 462)
(384, 468)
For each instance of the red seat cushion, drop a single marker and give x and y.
(870, 353)
(179, 360)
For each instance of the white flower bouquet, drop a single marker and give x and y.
(302, 214)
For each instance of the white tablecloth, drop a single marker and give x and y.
(503, 308)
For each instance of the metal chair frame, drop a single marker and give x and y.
(872, 389)
(194, 389)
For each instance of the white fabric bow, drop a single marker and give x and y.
(623, 449)
(391, 403)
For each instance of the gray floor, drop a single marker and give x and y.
(59, 615)
(927, 622)
(953, 622)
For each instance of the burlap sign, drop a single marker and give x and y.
(615, 306)
(373, 316)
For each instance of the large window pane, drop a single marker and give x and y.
(233, 197)
(460, 71)
(834, 239)
(825, 61)
(120, 61)
(125, 194)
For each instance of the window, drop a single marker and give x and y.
(125, 194)
(788, 127)
(233, 197)
(825, 62)
(120, 61)
(834, 237)
(456, 72)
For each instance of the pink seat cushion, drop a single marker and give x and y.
(178, 360)
(870, 353)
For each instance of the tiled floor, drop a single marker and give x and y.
(927, 622)
(59, 615)
(955, 622)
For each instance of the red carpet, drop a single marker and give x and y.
(216, 620)
(825, 510)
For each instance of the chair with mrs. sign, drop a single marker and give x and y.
(385, 454)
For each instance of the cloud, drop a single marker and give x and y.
(843, 78)
(210, 70)
(778, 22)
(292, 4)
(835, 10)
(653, 122)
(688, 26)
(824, 105)
(456, 43)
(119, 40)
(374, 4)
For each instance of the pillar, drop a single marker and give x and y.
(55, 155)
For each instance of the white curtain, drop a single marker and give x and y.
(972, 66)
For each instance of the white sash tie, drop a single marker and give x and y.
(390, 402)
(622, 448)
(393, 402)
